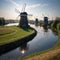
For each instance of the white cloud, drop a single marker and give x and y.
(36, 5)
(13, 2)
(29, 6)
(17, 6)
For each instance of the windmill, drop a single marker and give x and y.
(23, 23)
(36, 22)
(45, 20)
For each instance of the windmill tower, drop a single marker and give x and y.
(23, 23)
(46, 21)
(36, 21)
(45, 18)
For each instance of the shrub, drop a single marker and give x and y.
(2, 21)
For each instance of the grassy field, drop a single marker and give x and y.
(12, 33)
(50, 54)
(5, 31)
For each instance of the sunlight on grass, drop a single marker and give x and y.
(12, 34)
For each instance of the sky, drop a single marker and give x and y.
(38, 8)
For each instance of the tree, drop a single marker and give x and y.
(2, 21)
(57, 20)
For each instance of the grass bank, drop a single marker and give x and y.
(10, 34)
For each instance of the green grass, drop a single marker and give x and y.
(5, 30)
(12, 34)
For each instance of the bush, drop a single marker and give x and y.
(55, 22)
(58, 26)
(2, 21)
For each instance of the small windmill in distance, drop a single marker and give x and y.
(23, 23)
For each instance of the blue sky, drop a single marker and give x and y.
(38, 8)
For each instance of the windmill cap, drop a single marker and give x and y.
(23, 13)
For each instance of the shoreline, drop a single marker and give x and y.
(8, 47)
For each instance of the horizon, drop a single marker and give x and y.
(38, 9)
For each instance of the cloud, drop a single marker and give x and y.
(17, 6)
(28, 6)
(37, 5)
(13, 2)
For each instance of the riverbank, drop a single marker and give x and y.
(14, 38)
(50, 54)
(13, 33)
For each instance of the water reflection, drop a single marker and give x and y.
(36, 25)
(54, 32)
(45, 29)
(23, 48)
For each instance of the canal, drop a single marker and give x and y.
(44, 39)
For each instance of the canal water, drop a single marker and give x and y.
(44, 39)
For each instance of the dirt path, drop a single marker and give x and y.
(51, 55)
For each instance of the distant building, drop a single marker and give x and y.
(36, 21)
(45, 21)
(23, 20)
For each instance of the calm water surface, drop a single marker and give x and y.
(44, 39)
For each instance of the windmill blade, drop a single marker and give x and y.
(17, 11)
(17, 17)
(23, 9)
